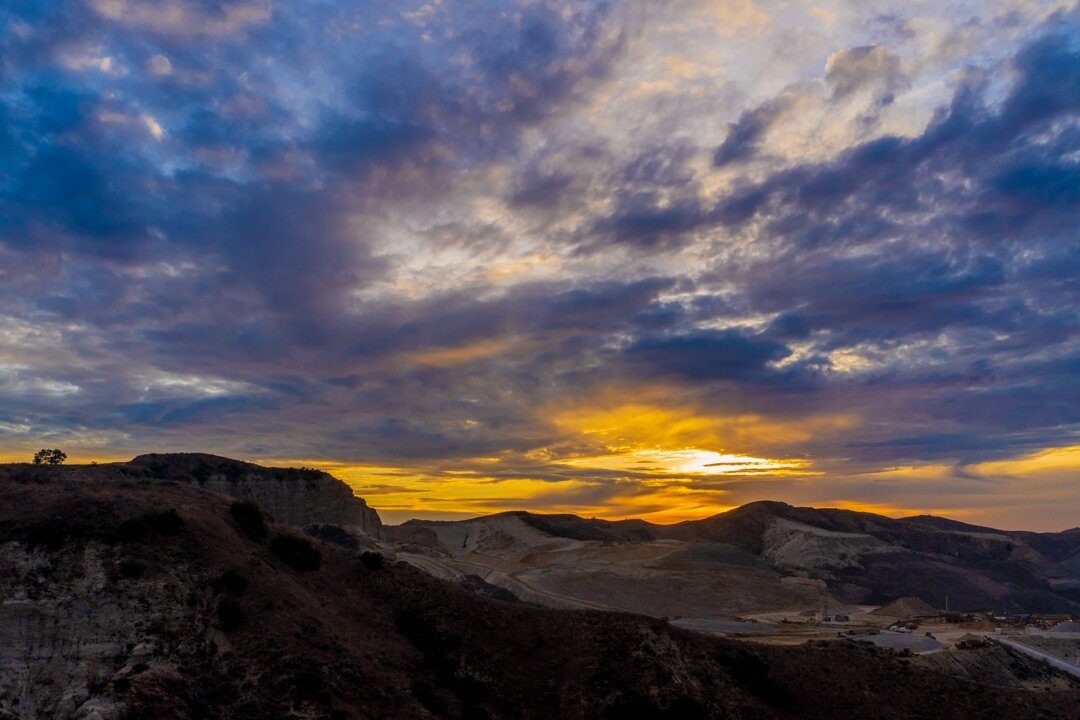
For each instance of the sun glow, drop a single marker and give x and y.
(692, 461)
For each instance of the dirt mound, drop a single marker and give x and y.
(906, 608)
(1068, 626)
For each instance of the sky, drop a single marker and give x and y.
(625, 259)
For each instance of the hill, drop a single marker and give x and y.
(131, 596)
(857, 557)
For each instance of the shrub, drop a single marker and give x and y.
(372, 560)
(296, 552)
(166, 522)
(132, 568)
(229, 581)
(202, 473)
(132, 529)
(46, 536)
(230, 614)
(249, 517)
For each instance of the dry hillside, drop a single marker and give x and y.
(123, 595)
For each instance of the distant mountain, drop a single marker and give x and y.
(860, 557)
(135, 591)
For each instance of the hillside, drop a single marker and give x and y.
(765, 547)
(131, 596)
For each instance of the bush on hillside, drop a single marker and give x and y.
(230, 614)
(45, 535)
(132, 568)
(372, 560)
(230, 581)
(166, 522)
(296, 552)
(249, 517)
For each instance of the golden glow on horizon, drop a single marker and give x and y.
(1063, 459)
(613, 459)
(1052, 459)
(692, 461)
(639, 461)
(658, 423)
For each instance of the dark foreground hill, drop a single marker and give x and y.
(130, 596)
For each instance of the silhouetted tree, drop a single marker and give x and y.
(49, 457)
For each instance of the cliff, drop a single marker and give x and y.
(292, 496)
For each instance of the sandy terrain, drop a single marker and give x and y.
(662, 578)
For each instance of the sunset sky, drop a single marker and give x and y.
(626, 259)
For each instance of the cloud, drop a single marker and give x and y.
(745, 136)
(848, 71)
(706, 355)
(185, 17)
(414, 235)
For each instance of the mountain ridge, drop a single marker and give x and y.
(128, 596)
(861, 557)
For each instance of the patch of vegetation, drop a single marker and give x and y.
(430, 697)
(442, 651)
(373, 560)
(296, 552)
(753, 674)
(202, 473)
(229, 581)
(249, 516)
(158, 470)
(230, 614)
(132, 568)
(46, 456)
(636, 707)
(168, 522)
(164, 523)
(46, 536)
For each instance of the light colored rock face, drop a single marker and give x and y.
(68, 633)
(655, 577)
(794, 547)
(315, 499)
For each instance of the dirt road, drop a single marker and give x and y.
(1069, 668)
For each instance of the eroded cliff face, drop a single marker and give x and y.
(296, 497)
(74, 630)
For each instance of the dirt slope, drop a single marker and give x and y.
(862, 558)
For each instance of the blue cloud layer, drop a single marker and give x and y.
(236, 224)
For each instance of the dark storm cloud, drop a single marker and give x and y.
(944, 238)
(856, 197)
(708, 355)
(162, 190)
(209, 230)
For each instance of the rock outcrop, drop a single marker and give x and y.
(293, 496)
